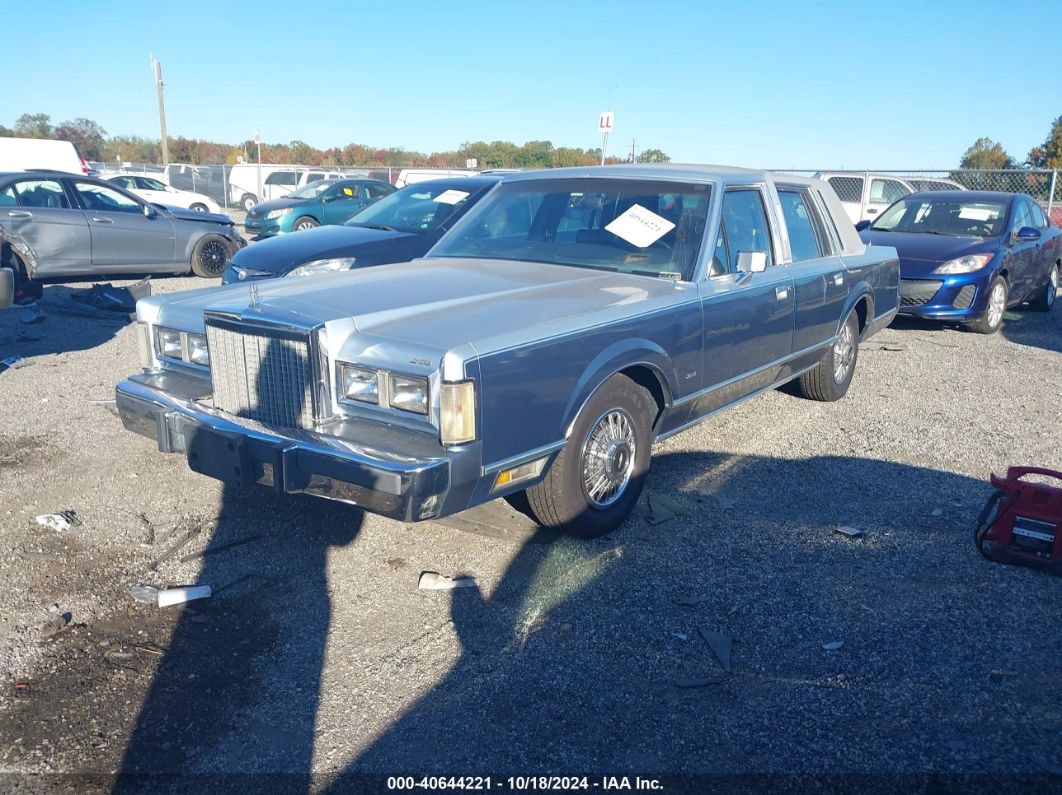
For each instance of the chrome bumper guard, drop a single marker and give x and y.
(390, 471)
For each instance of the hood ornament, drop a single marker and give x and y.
(255, 303)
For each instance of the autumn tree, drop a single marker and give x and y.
(85, 134)
(986, 154)
(1049, 153)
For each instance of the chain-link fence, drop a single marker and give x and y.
(239, 186)
(884, 186)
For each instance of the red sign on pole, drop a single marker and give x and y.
(604, 122)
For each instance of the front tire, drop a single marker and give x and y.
(595, 482)
(303, 223)
(211, 256)
(830, 378)
(992, 320)
(1046, 299)
(247, 201)
(199, 208)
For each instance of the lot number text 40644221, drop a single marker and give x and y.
(523, 783)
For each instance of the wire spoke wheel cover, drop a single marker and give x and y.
(608, 458)
(843, 353)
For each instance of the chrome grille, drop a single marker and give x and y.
(263, 378)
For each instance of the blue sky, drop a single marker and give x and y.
(896, 84)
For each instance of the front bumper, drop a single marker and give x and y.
(961, 298)
(386, 470)
(259, 227)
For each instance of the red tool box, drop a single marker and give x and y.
(1021, 521)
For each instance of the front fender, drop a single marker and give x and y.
(615, 358)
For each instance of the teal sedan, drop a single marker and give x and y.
(322, 202)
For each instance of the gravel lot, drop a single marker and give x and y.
(318, 661)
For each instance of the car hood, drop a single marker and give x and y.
(919, 253)
(191, 215)
(279, 254)
(279, 204)
(435, 304)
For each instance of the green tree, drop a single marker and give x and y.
(652, 156)
(1049, 153)
(986, 153)
(33, 125)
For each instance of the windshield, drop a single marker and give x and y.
(944, 217)
(416, 209)
(646, 227)
(312, 189)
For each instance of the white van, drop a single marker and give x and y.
(22, 154)
(277, 181)
(409, 176)
(865, 195)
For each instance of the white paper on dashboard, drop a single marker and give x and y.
(977, 214)
(451, 196)
(640, 227)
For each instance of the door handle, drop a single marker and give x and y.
(19, 214)
(781, 293)
(102, 220)
(838, 279)
(872, 212)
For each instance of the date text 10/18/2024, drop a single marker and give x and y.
(524, 783)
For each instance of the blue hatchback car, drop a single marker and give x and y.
(967, 256)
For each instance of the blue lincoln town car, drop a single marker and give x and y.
(571, 319)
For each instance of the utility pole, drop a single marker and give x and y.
(633, 141)
(156, 69)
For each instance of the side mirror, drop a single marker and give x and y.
(862, 225)
(1027, 233)
(149, 211)
(752, 261)
(330, 197)
(7, 287)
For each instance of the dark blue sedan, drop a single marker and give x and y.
(397, 228)
(967, 256)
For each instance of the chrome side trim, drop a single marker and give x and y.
(741, 399)
(743, 376)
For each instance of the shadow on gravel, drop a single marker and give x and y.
(574, 662)
(571, 663)
(1036, 330)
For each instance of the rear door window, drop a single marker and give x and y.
(807, 238)
(42, 193)
(848, 189)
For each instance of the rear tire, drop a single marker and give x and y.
(830, 378)
(1046, 299)
(992, 320)
(211, 256)
(303, 223)
(199, 208)
(595, 481)
(247, 201)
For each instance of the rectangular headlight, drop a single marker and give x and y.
(457, 415)
(409, 394)
(168, 343)
(359, 383)
(197, 352)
